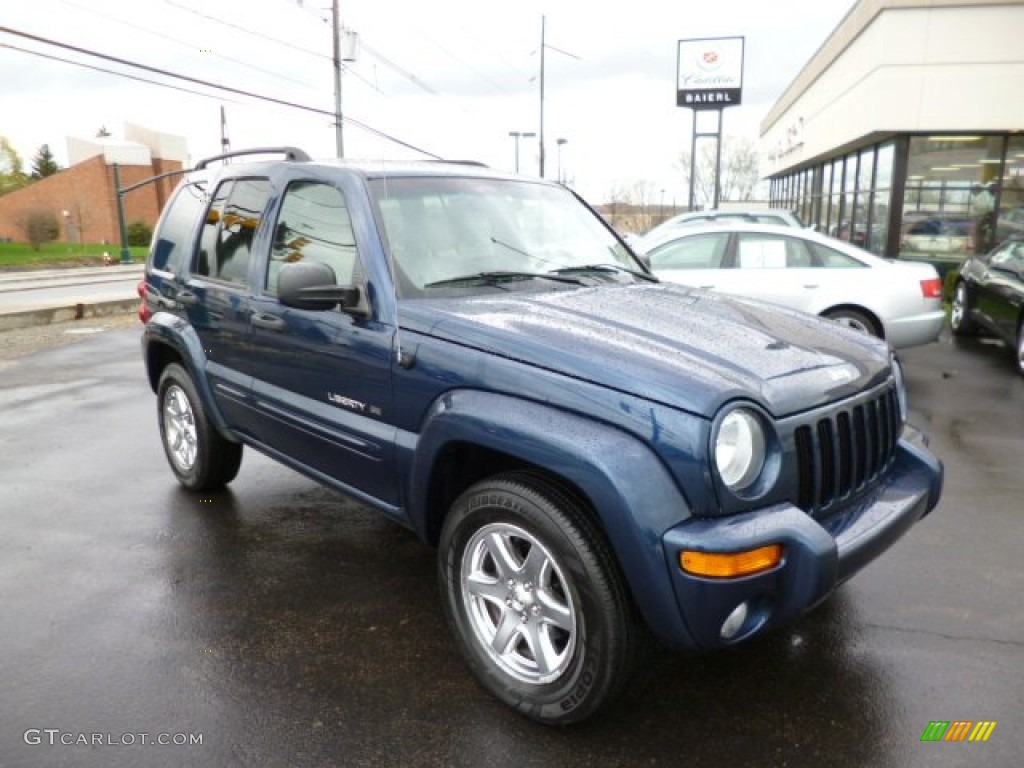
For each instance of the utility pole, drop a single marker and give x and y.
(225, 143)
(335, 37)
(543, 47)
(541, 135)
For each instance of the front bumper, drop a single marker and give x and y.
(819, 555)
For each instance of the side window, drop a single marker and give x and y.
(174, 231)
(697, 252)
(314, 225)
(829, 257)
(761, 251)
(225, 243)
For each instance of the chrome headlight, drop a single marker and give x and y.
(739, 446)
(901, 387)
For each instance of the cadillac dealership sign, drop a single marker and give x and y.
(710, 73)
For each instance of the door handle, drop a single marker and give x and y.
(268, 322)
(187, 298)
(810, 286)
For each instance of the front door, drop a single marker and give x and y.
(322, 384)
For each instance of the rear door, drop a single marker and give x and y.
(321, 379)
(217, 292)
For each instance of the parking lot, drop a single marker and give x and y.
(280, 624)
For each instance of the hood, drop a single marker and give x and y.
(679, 346)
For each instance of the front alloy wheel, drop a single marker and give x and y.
(519, 603)
(535, 598)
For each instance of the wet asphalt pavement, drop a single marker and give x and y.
(283, 625)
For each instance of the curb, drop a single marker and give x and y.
(32, 317)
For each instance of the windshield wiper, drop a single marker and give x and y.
(606, 268)
(502, 276)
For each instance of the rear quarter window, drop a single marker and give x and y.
(175, 230)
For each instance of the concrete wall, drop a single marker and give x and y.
(897, 66)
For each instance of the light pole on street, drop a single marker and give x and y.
(561, 143)
(520, 135)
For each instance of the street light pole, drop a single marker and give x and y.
(561, 143)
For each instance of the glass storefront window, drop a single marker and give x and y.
(949, 205)
(962, 193)
(865, 174)
(881, 200)
(826, 192)
(1010, 222)
(844, 230)
(836, 203)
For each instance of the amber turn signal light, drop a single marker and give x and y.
(729, 565)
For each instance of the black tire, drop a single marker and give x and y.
(200, 457)
(1020, 347)
(855, 319)
(554, 584)
(960, 321)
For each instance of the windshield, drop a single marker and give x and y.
(473, 235)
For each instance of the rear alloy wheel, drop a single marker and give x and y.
(200, 457)
(960, 321)
(535, 598)
(855, 319)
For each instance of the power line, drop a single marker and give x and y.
(249, 31)
(113, 72)
(272, 39)
(182, 43)
(215, 86)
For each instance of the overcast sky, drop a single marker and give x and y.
(451, 77)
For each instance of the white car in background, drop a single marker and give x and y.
(899, 301)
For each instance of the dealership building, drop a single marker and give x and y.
(904, 133)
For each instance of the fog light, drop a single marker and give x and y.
(735, 621)
(728, 565)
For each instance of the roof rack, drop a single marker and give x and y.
(458, 162)
(291, 154)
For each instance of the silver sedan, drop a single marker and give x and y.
(899, 301)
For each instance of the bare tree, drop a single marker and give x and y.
(39, 225)
(739, 174)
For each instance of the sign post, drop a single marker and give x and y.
(709, 76)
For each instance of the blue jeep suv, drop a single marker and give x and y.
(597, 456)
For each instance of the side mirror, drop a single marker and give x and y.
(312, 285)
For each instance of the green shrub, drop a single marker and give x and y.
(949, 284)
(139, 233)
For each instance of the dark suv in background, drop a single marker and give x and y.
(478, 356)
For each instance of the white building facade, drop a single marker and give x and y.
(904, 133)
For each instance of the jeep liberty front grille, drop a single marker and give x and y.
(845, 450)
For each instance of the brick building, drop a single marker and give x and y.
(83, 196)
